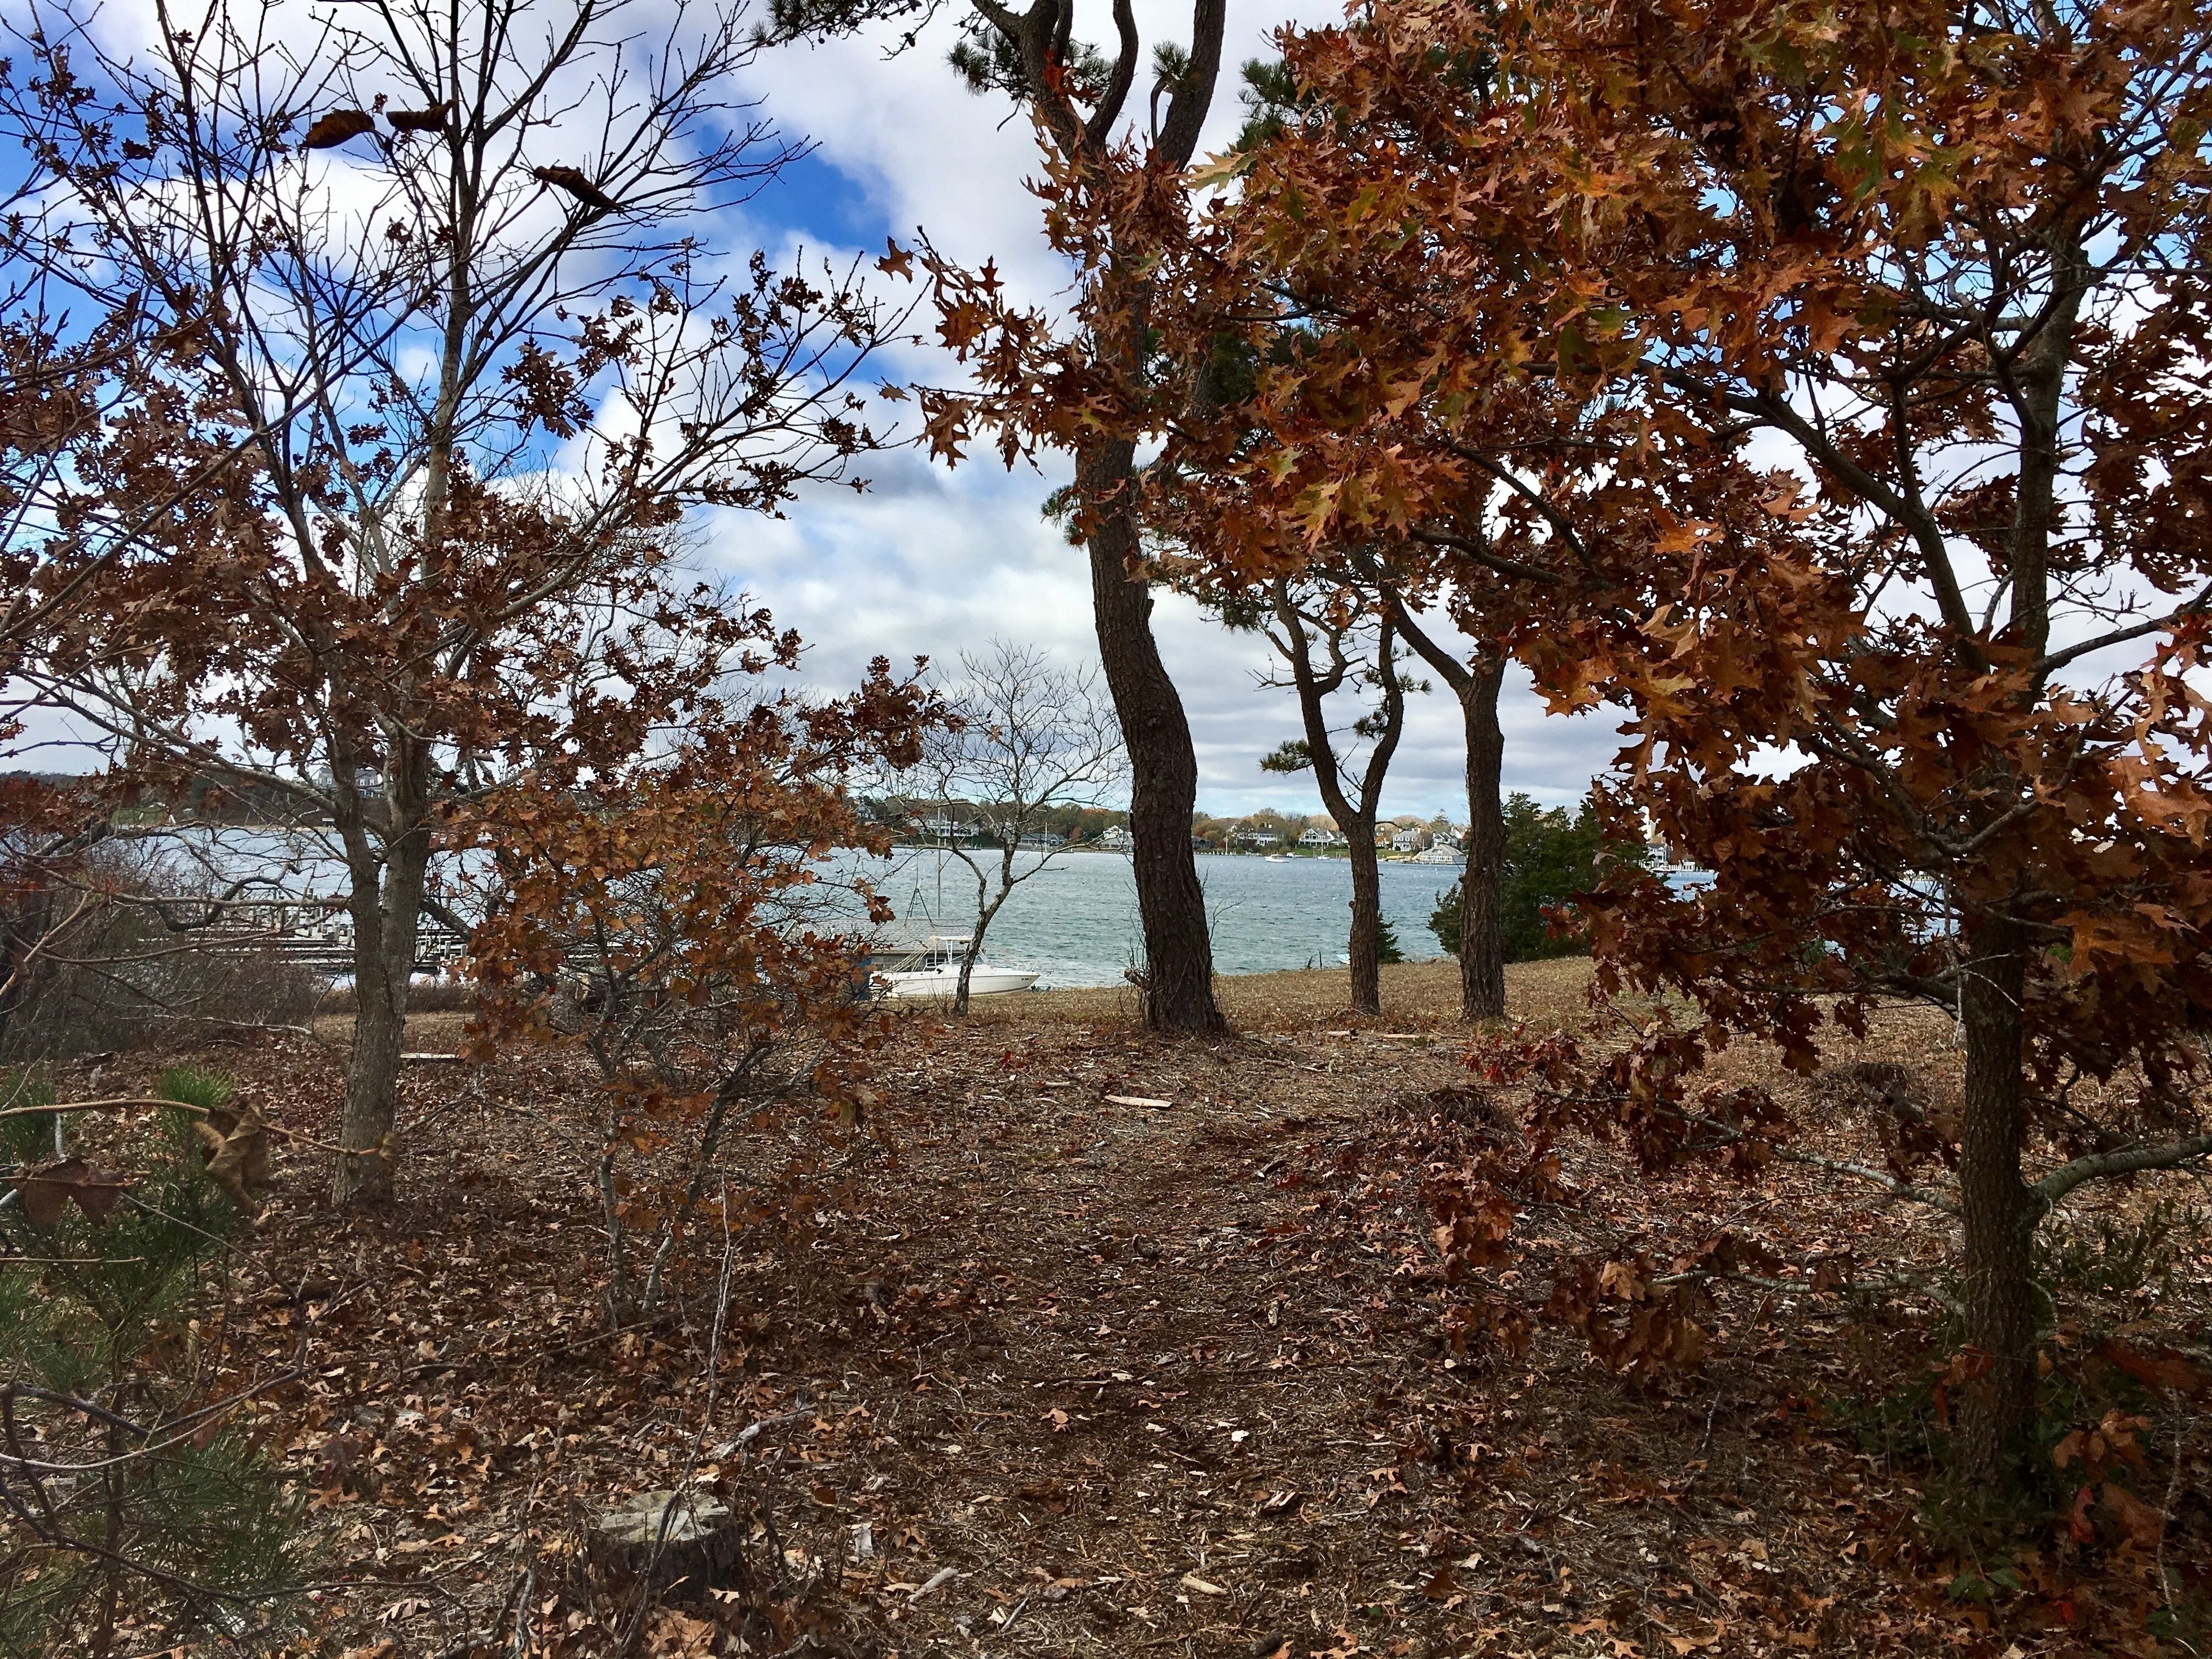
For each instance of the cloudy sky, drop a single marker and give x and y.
(929, 560)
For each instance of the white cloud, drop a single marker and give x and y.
(928, 562)
(931, 562)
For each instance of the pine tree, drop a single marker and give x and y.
(180, 1522)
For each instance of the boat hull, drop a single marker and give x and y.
(946, 982)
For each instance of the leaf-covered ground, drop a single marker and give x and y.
(1030, 1371)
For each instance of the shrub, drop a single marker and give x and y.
(106, 971)
(1388, 949)
(2124, 1257)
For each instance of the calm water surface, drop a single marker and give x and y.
(1074, 921)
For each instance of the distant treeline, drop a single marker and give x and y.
(915, 818)
(1080, 824)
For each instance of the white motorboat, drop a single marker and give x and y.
(932, 970)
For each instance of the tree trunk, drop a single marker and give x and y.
(26, 936)
(1366, 922)
(967, 972)
(1481, 912)
(387, 917)
(1358, 822)
(1998, 1211)
(986, 912)
(1163, 771)
(1178, 972)
(1481, 907)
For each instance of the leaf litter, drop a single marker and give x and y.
(1030, 1370)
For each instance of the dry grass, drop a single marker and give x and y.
(1416, 996)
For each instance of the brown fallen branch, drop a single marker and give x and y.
(113, 1102)
(96, 1105)
(153, 1440)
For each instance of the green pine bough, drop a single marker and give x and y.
(135, 1511)
(1551, 855)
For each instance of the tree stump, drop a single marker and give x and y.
(702, 1546)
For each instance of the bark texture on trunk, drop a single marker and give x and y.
(1998, 1213)
(986, 912)
(1366, 923)
(1178, 972)
(1354, 806)
(1163, 769)
(967, 974)
(386, 909)
(1481, 885)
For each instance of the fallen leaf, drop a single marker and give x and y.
(45, 1190)
(2144, 1523)
(2162, 1369)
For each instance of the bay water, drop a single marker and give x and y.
(1073, 921)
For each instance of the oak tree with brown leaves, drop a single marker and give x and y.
(672, 913)
(1839, 376)
(456, 404)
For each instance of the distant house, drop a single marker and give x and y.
(1116, 839)
(1409, 841)
(1318, 837)
(1256, 838)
